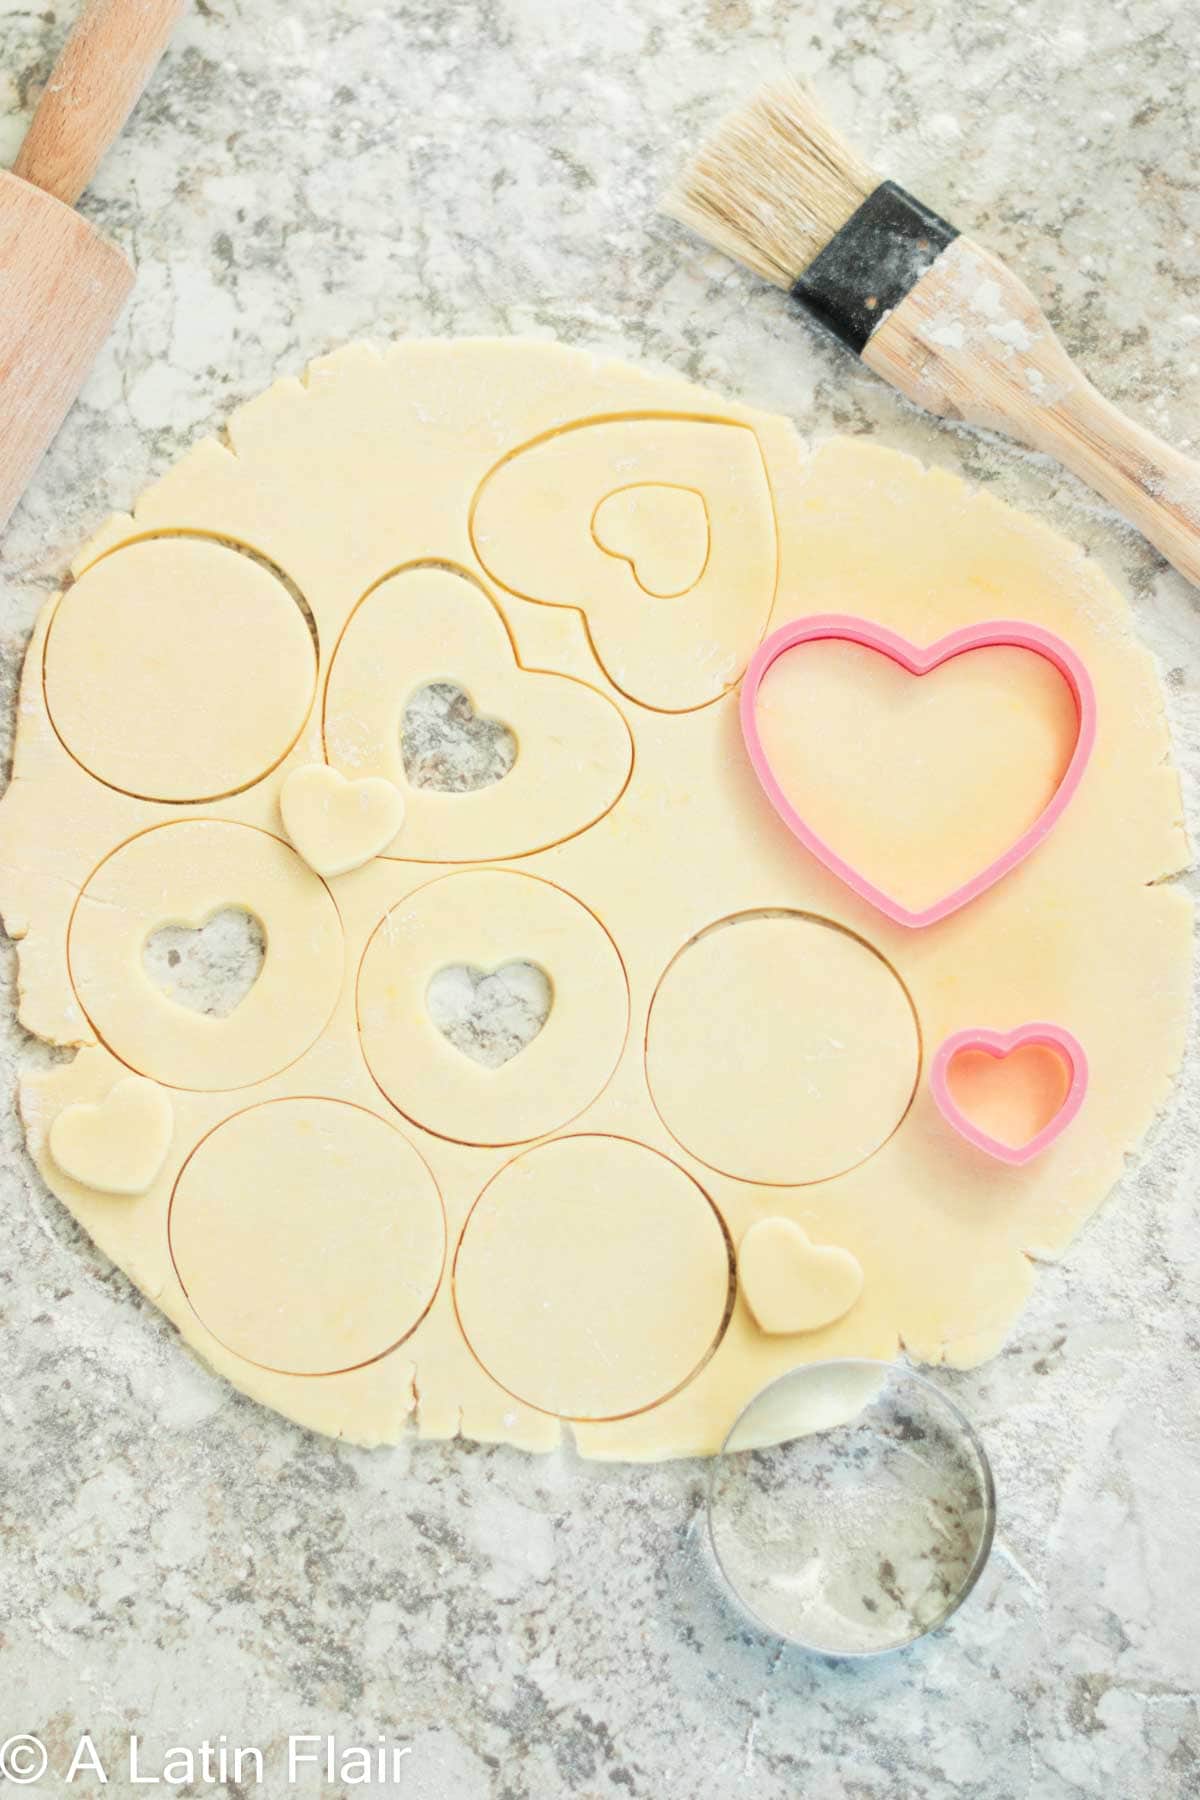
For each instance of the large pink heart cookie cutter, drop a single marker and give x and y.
(1001, 1044)
(994, 634)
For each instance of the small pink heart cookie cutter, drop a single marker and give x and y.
(1001, 1044)
(994, 634)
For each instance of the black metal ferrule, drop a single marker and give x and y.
(872, 263)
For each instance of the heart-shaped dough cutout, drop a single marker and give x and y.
(534, 529)
(208, 968)
(338, 824)
(1010, 1093)
(791, 1284)
(919, 776)
(116, 1145)
(490, 1014)
(430, 625)
(660, 531)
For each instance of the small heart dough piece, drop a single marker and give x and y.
(338, 825)
(660, 531)
(791, 1284)
(116, 1145)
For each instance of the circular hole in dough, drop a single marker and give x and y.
(178, 668)
(308, 1236)
(486, 921)
(781, 1048)
(592, 1278)
(183, 874)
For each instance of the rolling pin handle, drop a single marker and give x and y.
(93, 88)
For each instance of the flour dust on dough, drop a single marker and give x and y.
(354, 1217)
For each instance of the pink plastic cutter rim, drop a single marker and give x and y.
(1001, 1044)
(992, 634)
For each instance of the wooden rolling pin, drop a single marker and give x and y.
(62, 283)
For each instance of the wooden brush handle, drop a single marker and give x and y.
(970, 342)
(94, 86)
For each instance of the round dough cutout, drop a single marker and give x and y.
(179, 669)
(181, 874)
(781, 1048)
(592, 1278)
(308, 1236)
(485, 919)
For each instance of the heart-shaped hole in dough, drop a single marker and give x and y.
(490, 1015)
(447, 745)
(661, 531)
(208, 968)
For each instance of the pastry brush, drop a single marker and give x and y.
(938, 316)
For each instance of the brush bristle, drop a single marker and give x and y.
(773, 184)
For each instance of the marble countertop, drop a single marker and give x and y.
(178, 1562)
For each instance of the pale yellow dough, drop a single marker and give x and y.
(534, 527)
(791, 1284)
(184, 701)
(181, 874)
(308, 1235)
(338, 825)
(486, 918)
(351, 1221)
(781, 1049)
(606, 1251)
(661, 532)
(574, 748)
(116, 1145)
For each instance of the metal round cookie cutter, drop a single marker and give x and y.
(851, 1508)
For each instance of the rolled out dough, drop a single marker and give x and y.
(368, 1228)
